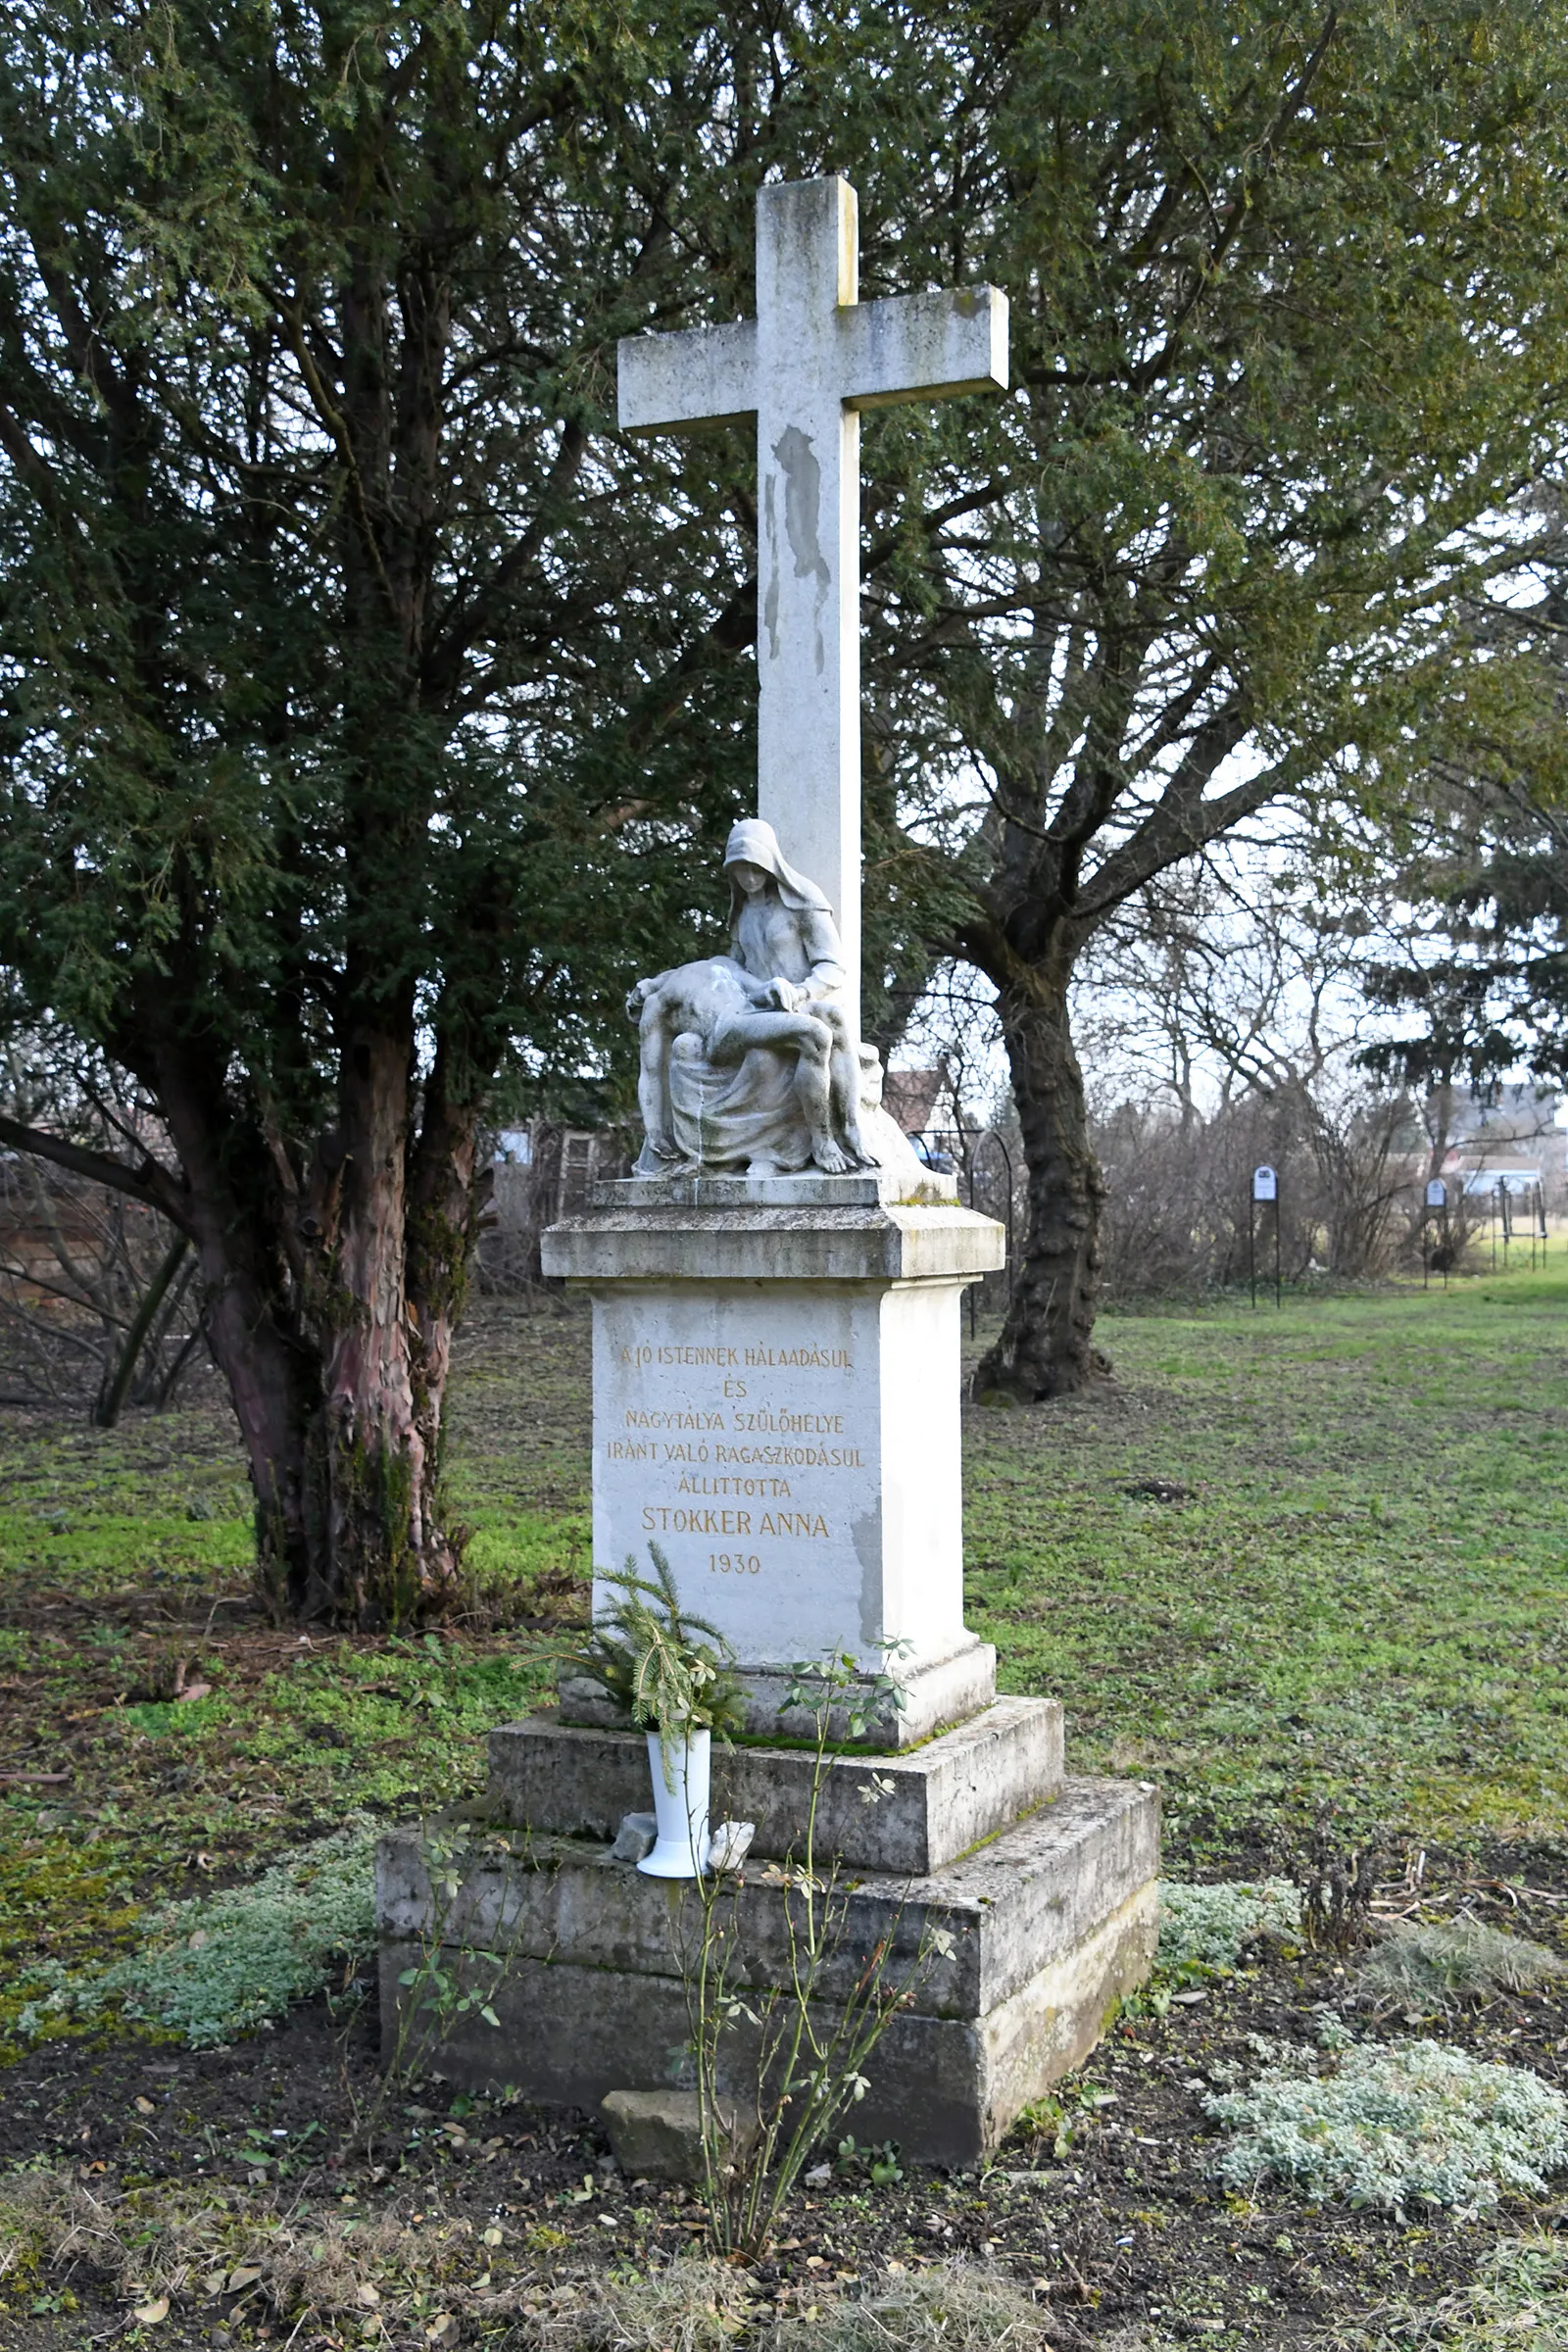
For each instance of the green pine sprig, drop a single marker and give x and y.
(666, 1666)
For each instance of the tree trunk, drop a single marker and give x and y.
(329, 1307)
(381, 1538)
(448, 1191)
(1045, 1349)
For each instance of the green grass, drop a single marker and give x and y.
(161, 1503)
(91, 1512)
(1363, 1606)
(125, 1552)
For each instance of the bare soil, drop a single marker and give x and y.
(1127, 2228)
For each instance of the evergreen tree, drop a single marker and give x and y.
(346, 747)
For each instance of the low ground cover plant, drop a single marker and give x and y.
(1417, 2123)
(217, 1966)
(1203, 1929)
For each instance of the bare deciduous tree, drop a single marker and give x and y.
(99, 1307)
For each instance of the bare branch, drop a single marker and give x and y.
(149, 1184)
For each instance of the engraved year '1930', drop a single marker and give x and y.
(734, 1563)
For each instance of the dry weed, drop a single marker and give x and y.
(949, 2307)
(1462, 1959)
(1517, 2303)
(691, 2305)
(402, 2285)
(257, 2251)
(47, 2219)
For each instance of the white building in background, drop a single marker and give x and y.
(1518, 1182)
(1503, 1135)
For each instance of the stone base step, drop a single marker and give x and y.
(1010, 1959)
(865, 1188)
(909, 1811)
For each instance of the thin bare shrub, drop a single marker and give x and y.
(779, 2064)
(1179, 1217)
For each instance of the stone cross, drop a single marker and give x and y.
(812, 358)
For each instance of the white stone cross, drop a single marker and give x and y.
(812, 358)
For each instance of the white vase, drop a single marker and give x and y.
(680, 1806)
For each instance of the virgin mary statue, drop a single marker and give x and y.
(751, 1060)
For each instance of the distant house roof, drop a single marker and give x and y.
(911, 1096)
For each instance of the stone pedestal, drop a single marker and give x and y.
(777, 1404)
(1043, 1889)
(913, 1812)
(777, 1395)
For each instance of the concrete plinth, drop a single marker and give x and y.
(1041, 1928)
(910, 1812)
(936, 1694)
(868, 1187)
(777, 1399)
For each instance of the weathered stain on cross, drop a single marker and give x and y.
(812, 358)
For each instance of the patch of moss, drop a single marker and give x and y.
(64, 1905)
(217, 1966)
(518, 1547)
(184, 1719)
